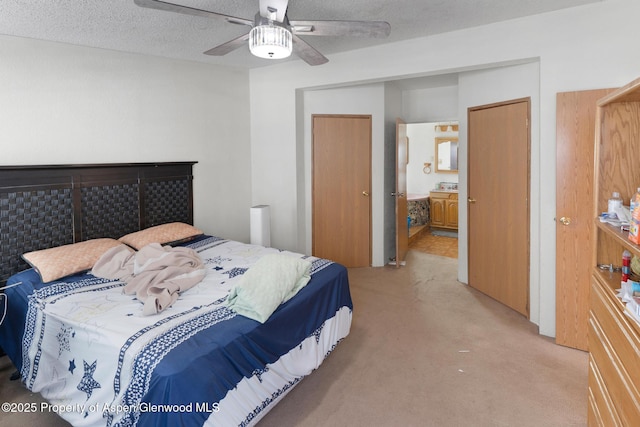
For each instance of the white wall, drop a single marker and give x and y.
(62, 104)
(392, 111)
(486, 87)
(435, 104)
(366, 100)
(422, 149)
(580, 48)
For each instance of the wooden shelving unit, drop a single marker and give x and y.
(614, 337)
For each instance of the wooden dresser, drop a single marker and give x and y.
(614, 337)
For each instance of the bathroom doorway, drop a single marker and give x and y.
(432, 186)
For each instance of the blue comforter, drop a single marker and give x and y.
(199, 363)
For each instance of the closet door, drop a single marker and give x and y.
(498, 202)
(575, 136)
(341, 213)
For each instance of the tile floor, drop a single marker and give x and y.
(421, 239)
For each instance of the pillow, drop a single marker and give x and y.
(55, 263)
(171, 233)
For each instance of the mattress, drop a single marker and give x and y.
(87, 348)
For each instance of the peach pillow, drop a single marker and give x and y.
(171, 233)
(55, 263)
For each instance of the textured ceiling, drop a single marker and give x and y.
(121, 25)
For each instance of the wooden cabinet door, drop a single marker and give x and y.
(452, 214)
(437, 212)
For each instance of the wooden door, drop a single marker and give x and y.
(575, 139)
(499, 202)
(341, 212)
(402, 226)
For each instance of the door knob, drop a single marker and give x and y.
(365, 193)
(471, 200)
(565, 221)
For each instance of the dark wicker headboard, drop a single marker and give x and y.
(48, 206)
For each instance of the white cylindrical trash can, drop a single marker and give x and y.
(260, 225)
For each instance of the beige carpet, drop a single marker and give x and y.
(424, 350)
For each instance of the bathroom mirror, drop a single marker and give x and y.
(446, 155)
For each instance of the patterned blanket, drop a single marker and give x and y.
(87, 344)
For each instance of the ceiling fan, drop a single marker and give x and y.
(273, 35)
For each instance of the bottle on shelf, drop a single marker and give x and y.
(635, 201)
(626, 265)
(614, 202)
(634, 226)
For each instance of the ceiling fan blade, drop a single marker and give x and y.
(280, 7)
(229, 46)
(186, 10)
(307, 53)
(341, 28)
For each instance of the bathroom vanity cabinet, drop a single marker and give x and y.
(444, 209)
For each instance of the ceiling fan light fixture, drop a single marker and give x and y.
(270, 41)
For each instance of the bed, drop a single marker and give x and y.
(88, 349)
